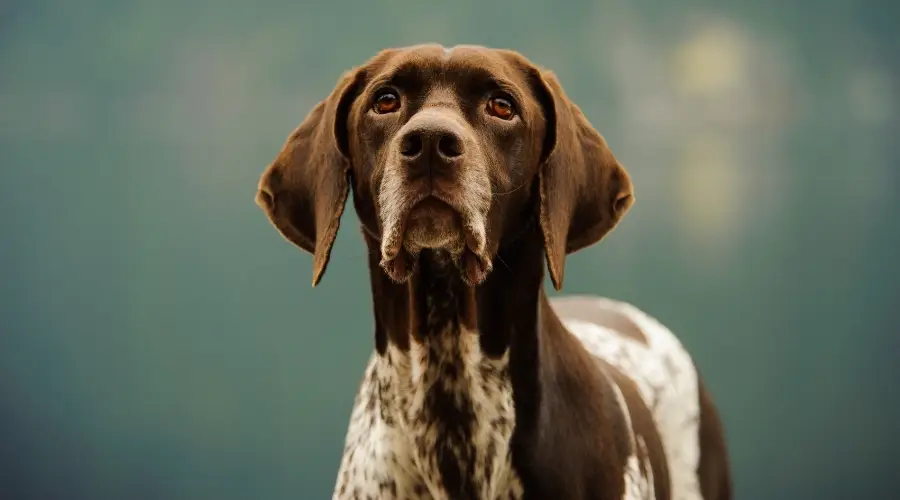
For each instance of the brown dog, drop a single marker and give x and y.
(469, 167)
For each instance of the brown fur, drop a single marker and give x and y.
(714, 467)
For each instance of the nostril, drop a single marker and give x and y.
(449, 146)
(411, 145)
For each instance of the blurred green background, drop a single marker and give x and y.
(150, 338)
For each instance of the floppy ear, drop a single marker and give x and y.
(584, 191)
(304, 190)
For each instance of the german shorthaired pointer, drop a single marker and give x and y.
(469, 169)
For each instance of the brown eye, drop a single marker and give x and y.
(501, 107)
(386, 102)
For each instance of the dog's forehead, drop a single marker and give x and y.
(431, 60)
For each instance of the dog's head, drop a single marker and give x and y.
(442, 148)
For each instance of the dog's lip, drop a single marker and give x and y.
(399, 262)
(440, 201)
(432, 196)
(430, 205)
(415, 202)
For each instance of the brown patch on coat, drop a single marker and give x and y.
(714, 470)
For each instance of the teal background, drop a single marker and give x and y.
(151, 344)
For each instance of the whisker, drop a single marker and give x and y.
(504, 263)
(520, 186)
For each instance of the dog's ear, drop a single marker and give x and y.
(304, 190)
(584, 191)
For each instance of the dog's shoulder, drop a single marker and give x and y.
(639, 347)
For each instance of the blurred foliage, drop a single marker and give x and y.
(150, 344)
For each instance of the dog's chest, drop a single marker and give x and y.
(433, 422)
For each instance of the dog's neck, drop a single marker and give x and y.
(451, 358)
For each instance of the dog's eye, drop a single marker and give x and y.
(501, 107)
(386, 102)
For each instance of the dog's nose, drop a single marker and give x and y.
(431, 140)
(440, 142)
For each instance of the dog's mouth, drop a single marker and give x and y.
(434, 223)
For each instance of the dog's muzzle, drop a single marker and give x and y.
(435, 194)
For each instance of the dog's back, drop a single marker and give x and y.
(626, 340)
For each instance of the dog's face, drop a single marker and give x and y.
(438, 141)
(442, 148)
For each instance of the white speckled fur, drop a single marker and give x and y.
(384, 443)
(377, 454)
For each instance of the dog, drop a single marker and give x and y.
(470, 170)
